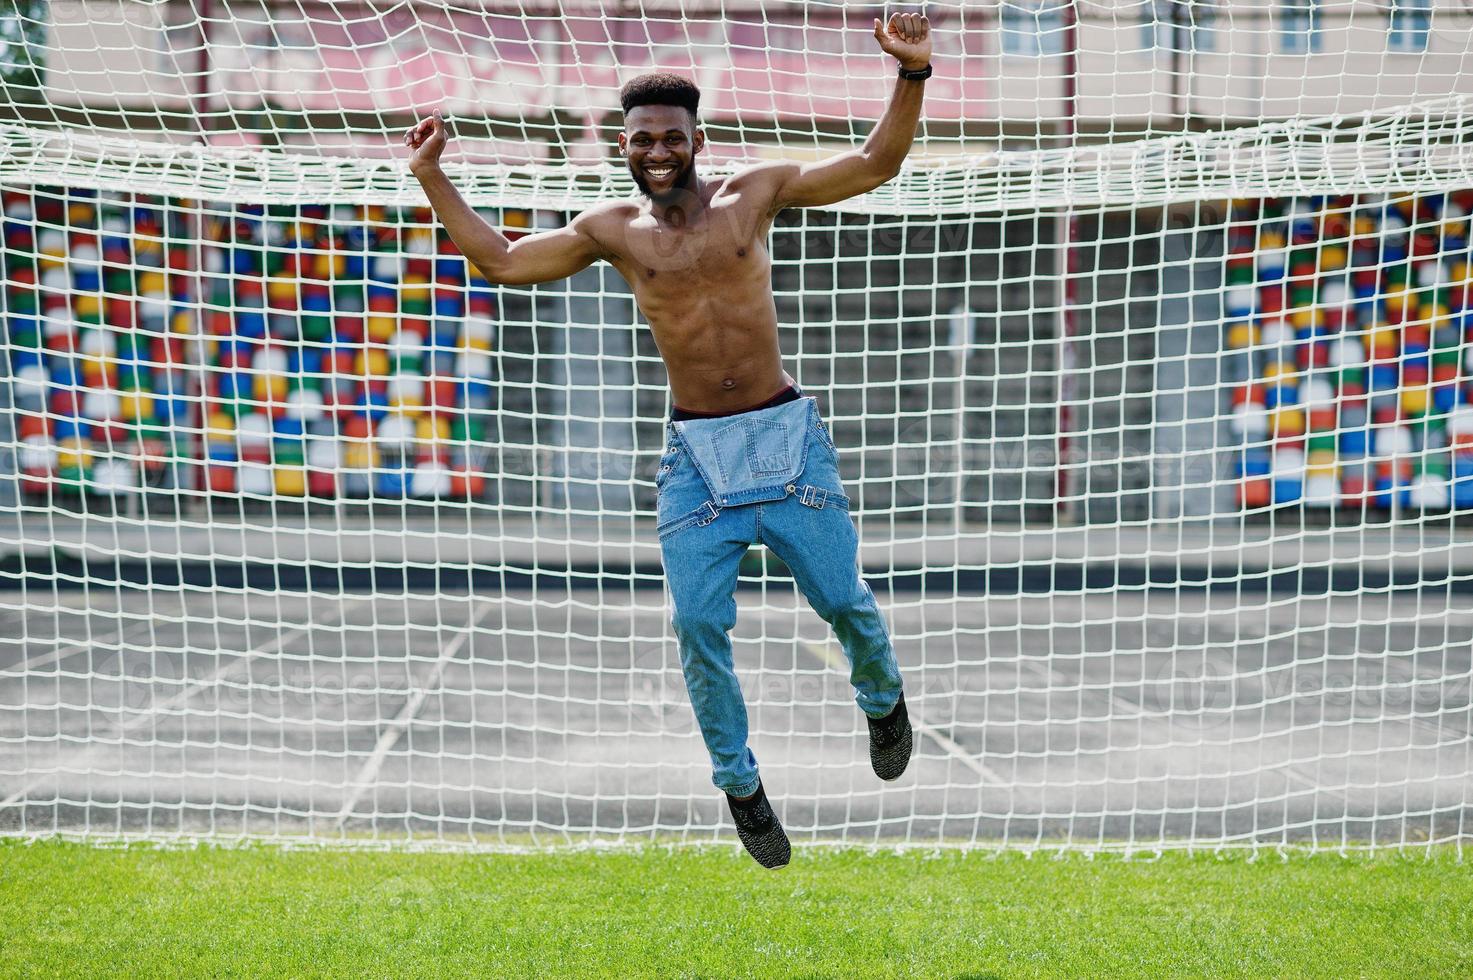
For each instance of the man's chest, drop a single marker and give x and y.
(720, 242)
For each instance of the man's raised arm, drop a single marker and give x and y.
(907, 37)
(541, 257)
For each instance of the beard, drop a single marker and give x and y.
(684, 180)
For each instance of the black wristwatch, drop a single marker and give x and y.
(916, 74)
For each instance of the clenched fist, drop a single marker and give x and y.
(907, 38)
(427, 139)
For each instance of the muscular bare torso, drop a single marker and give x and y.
(702, 277)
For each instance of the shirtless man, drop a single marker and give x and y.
(748, 458)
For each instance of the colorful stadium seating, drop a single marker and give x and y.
(346, 352)
(1353, 319)
(342, 352)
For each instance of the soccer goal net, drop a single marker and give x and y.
(1151, 376)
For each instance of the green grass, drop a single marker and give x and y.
(68, 909)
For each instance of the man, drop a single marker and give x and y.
(748, 458)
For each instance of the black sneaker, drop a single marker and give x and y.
(758, 827)
(890, 742)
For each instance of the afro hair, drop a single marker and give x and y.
(660, 88)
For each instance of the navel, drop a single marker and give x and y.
(650, 273)
(728, 383)
(741, 253)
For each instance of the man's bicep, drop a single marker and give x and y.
(829, 181)
(550, 255)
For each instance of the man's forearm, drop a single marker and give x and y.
(891, 139)
(482, 245)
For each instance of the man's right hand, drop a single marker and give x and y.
(427, 140)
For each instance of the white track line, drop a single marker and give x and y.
(178, 698)
(836, 660)
(390, 737)
(56, 656)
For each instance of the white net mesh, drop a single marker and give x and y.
(303, 102)
(1149, 374)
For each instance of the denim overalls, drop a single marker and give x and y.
(763, 477)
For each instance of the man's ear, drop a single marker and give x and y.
(623, 144)
(698, 141)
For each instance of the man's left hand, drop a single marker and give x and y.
(907, 38)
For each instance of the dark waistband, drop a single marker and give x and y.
(790, 393)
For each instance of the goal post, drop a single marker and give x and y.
(1150, 377)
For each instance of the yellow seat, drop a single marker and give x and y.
(97, 371)
(372, 362)
(1415, 399)
(1282, 371)
(282, 289)
(382, 328)
(73, 452)
(432, 429)
(271, 388)
(1240, 335)
(358, 454)
(137, 405)
(329, 265)
(221, 427)
(1385, 342)
(1320, 459)
(152, 283)
(1288, 422)
(291, 481)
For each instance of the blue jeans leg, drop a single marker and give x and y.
(821, 549)
(701, 565)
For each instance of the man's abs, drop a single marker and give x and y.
(718, 339)
(709, 304)
(723, 367)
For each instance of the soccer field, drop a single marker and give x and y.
(79, 911)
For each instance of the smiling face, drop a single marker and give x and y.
(660, 143)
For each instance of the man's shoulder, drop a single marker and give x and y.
(607, 214)
(604, 223)
(767, 175)
(760, 183)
